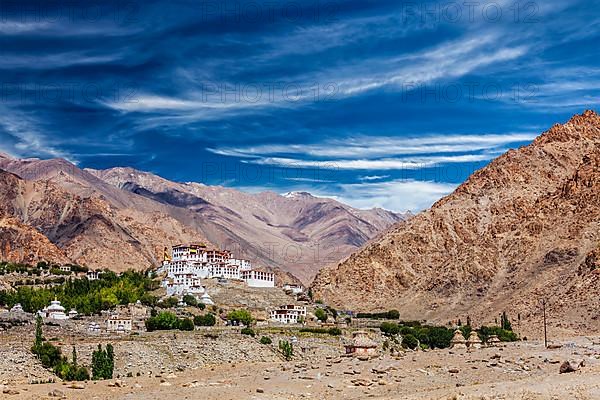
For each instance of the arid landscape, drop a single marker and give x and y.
(296, 200)
(233, 367)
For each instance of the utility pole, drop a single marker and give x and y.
(545, 331)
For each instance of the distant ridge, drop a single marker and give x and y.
(123, 218)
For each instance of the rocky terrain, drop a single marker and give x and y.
(218, 365)
(523, 229)
(41, 220)
(122, 218)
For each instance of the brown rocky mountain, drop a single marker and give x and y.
(524, 228)
(113, 214)
(40, 220)
(298, 231)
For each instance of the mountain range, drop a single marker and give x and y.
(123, 218)
(522, 230)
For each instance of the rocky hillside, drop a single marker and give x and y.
(122, 211)
(40, 220)
(522, 229)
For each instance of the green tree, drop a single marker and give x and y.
(103, 363)
(38, 334)
(505, 322)
(321, 314)
(190, 300)
(240, 316)
(74, 357)
(205, 320)
(163, 321)
(110, 356)
(287, 350)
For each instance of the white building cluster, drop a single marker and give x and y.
(189, 264)
(288, 314)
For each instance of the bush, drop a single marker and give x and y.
(324, 331)
(504, 335)
(205, 320)
(48, 354)
(334, 331)
(265, 340)
(248, 331)
(190, 300)
(389, 328)
(240, 316)
(409, 341)
(71, 372)
(163, 321)
(321, 314)
(391, 314)
(170, 302)
(186, 324)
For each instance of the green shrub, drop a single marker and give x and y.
(240, 316)
(169, 302)
(190, 300)
(325, 331)
(48, 354)
(248, 331)
(409, 341)
(321, 314)
(504, 335)
(163, 321)
(389, 328)
(186, 324)
(334, 331)
(265, 340)
(391, 314)
(205, 320)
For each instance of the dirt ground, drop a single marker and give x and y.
(523, 370)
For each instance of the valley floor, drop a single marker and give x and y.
(524, 370)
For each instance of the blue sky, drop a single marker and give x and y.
(377, 103)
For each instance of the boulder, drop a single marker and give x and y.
(571, 366)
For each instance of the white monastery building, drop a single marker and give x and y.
(188, 264)
(288, 314)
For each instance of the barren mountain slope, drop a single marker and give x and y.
(299, 232)
(88, 229)
(524, 228)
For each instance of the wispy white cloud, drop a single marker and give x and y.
(395, 195)
(27, 137)
(379, 164)
(449, 60)
(382, 146)
(369, 178)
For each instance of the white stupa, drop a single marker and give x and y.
(54, 311)
(73, 313)
(17, 308)
(205, 299)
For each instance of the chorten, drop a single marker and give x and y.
(458, 340)
(474, 342)
(493, 340)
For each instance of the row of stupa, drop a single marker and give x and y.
(473, 342)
